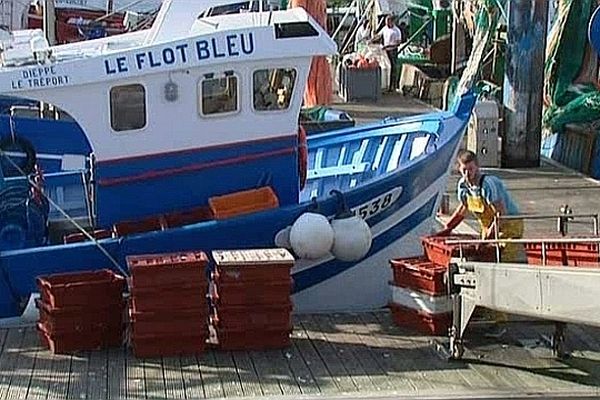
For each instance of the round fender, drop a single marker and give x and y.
(21, 145)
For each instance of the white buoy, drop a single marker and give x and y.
(311, 236)
(352, 238)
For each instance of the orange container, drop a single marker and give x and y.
(245, 202)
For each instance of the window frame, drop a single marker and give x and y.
(200, 94)
(110, 108)
(279, 110)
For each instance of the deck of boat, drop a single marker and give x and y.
(360, 355)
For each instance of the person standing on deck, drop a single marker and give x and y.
(362, 35)
(392, 38)
(486, 196)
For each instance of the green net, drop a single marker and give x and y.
(567, 102)
(486, 21)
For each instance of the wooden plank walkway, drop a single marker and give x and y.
(359, 355)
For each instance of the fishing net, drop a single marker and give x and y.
(482, 17)
(319, 88)
(570, 93)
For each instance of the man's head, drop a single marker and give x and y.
(468, 166)
(389, 21)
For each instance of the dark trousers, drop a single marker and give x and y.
(393, 57)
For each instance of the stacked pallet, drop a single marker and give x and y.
(81, 311)
(420, 297)
(169, 306)
(251, 299)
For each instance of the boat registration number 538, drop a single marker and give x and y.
(378, 204)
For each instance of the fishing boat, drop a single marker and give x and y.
(187, 138)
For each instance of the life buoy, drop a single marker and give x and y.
(302, 156)
(21, 145)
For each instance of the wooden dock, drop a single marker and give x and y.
(350, 355)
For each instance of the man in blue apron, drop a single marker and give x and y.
(485, 196)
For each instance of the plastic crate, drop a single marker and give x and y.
(420, 274)
(256, 340)
(78, 319)
(360, 84)
(170, 322)
(439, 252)
(244, 202)
(80, 237)
(272, 317)
(567, 254)
(235, 294)
(180, 344)
(186, 297)
(429, 324)
(68, 342)
(94, 289)
(555, 254)
(420, 301)
(188, 217)
(154, 223)
(258, 265)
(169, 269)
(583, 254)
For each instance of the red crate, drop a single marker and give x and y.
(260, 265)
(73, 319)
(80, 237)
(439, 252)
(180, 344)
(555, 254)
(185, 297)
(573, 254)
(188, 217)
(154, 223)
(169, 269)
(420, 274)
(273, 317)
(583, 254)
(170, 322)
(255, 340)
(69, 342)
(93, 289)
(232, 294)
(430, 324)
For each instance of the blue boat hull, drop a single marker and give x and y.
(319, 285)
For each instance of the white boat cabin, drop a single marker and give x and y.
(190, 98)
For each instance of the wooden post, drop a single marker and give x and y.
(523, 81)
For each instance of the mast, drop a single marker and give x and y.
(50, 22)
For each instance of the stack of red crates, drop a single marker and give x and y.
(81, 311)
(169, 305)
(419, 290)
(251, 299)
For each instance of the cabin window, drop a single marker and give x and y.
(127, 107)
(273, 88)
(218, 95)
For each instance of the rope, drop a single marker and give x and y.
(68, 217)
